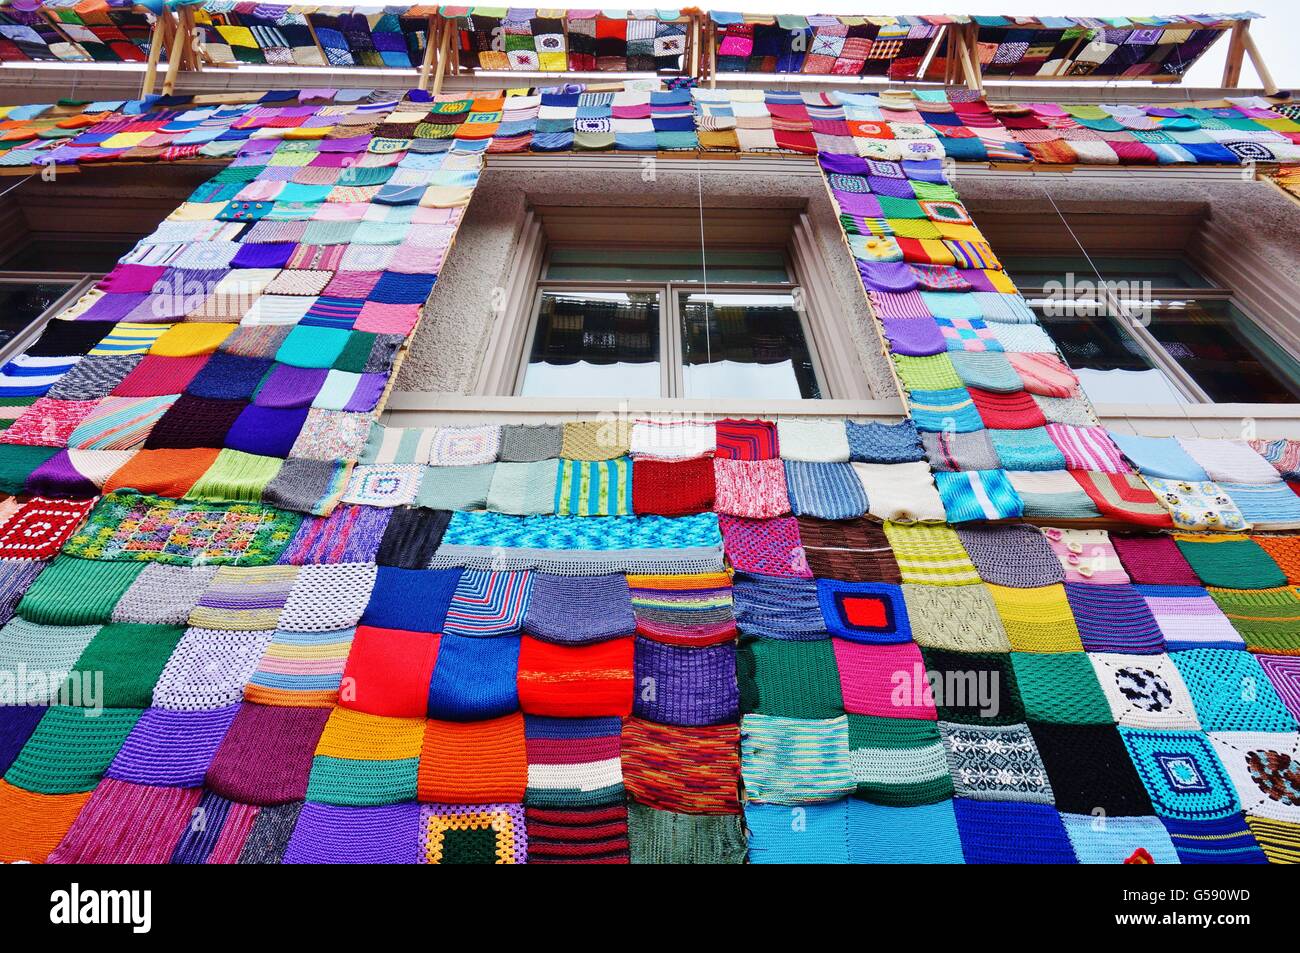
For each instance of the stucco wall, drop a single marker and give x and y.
(457, 329)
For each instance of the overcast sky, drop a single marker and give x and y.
(1277, 35)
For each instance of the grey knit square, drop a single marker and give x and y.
(526, 443)
(270, 834)
(301, 485)
(94, 376)
(1016, 556)
(960, 451)
(163, 594)
(384, 353)
(1066, 410)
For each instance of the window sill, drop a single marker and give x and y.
(1263, 421)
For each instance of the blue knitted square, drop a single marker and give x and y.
(806, 834)
(1011, 832)
(1183, 776)
(872, 612)
(924, 834)
(413, 599)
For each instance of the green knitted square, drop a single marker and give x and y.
(789, 679)
(900, 208)
(665, 837)
(351, 782)
(1060, 687)
(71, 749)
(17, 461)
(1233, 563)
(236, 477)
(1267, 620)
(73, 591)
(475, 846)
(456, 488)
(935, 372)
(898, 761)
(356, 352)
(131, 657)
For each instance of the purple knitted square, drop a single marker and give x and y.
(266, 431)
(289, 386)
(17, 722)
(265, 757)
(915, 337)
(171, 748)
(326, 834)
(263, 255)
(579, 609)
(686, 686)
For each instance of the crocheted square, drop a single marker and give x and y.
(385, 485)
(474, 678)
(463, 446)
(75, 591)
(1226, 840)
(813, 441)
(1231, 691)
(1086, 555)
(973, 687)
(746, 439)
(1183, 776)
(1284, 672)
(898, 761)
(1197, 506)
(819, 839)
(1263, 768)
(961, 618)
(995, 763)
(579, 609)
(414, 599)
(1145, 691)
(930, 554)
(691, 770)
(573, 763)
(68, 752)
(1007, 832)
(523, 443)
(864, 612)
(672, 487)
(364, 759)
(157, 376)
(1277, 839)
(326, 598)
(266, 431)
(1013, 556)
(163, 594)
(129, 658)
(523, 489)
(789, 679)
(1060, 688)
(771, 547)
(47, 651)
(587, 681)
(596, 439)
(903, 492)
(921, 834)
(455, 488)
(1116, 840)
(594, 488)
(1113, 619)
(209, 669)
(474, 762)
(1089, 769)
(473, 834)
(127, 823)
(171, 747)
(1266, 619)
(1189, 618)
(244, 598)
(1230, 562)
(326, 833)
(889, 681)
(691, 610)
(777, 608)
(1153, 560)
(771, 747)
(40, 527)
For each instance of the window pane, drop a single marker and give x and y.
(51, 254)
(1227, 354)
(595, 344)
(745, 345)
(1111, 365)
(1034, 271)
(22, 302)
(752, 266)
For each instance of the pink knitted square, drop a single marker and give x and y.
(885, 680)
(751, 488)
(768, 547)
(381, 318)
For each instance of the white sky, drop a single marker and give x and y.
(1276, 35)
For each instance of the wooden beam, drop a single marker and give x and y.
(156, 42)
(192, 61)
(970, 73)
(448, 28)
(713, 54)
(431, 37)
(1236, 49)
(1256, 60)
(174, 59)
(693, 63)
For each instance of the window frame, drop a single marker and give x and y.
(672, 385)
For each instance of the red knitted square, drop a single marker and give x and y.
(672, 487)
(587, 681)
(1015, 411)
(687, 770)
(747, 439)
(388, 672)
(40, 527)
(157, 376)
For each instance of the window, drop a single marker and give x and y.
(668, 322)
(1155, 331)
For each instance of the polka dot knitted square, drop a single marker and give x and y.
(689, 770)
(789, 679)
(1113, 619)
(1266, 619)
(1263, 769)
(771, 547)
(1009, 832)
(849, 550)
(1230, 562)
(995, 763)
(1181, 773)
(771, 746)
(930, 554)
(1231, 691)
(898, 761)
(672, 487)
(746, 439)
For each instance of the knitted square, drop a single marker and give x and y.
(926, 373)
(889, 681)
(1285, 551)
(1230, 562)
(229, 377)
(1052, 495)
(947, 409)
(1061, 688)
(522, 443)
(691, 770)
(1016, 411)
(579, 609)
(193, 422)
(973, 688)
(978, 495)
(789, 679)
(40, 527)
(995, 763)
(746, 439)
(573, 763)
(332, 435)
(585, 681)
(414, 599)
(17, 722)
(93, 377)
(594, 488)
(1225, 840)
(690, 610)
(1010, 832)
(820, 839)
(474, 762)
(171, 747)
(42, 649)
(1044, 374)
(1229, 461)
(813, 441)
(265, 431)
(849, 550)
(776, 607)
(672, 487)
(455, 488)
(795, 760)
(1089, 769)
(1154, 560)
(687, 686)
(524, 489)
(1265, 618)
(595, 439)
(864, 612)
(1145, 691)
(661, 837)
(672, 439)
(1182, 774)
(984, 367)
(128, 824)
(15, 578)
(1189, 618)
(1013, 556)
(244, 598)
(959, 451)
(473, 834)
(1030, 450)
(75, 591)
(919, 834)
(1284, 672)
(898, 761)
(930, 554)
(961, 618)
(1161, 457)
(771, 547)
(824, 490)
(474, 678)
(1086, 555)
(129, 658)
(883, 443)
(394, 485)
(155, 376)
(326, 833)
(1231, 691)
(163, 594)
(1113, 619)
(1118, 839)
(209, 668)
(119, 423)
(754, 489)
(301, 669)
(48, 422)
(1263, 768)
(190, 338)
(68, 752)
(348, 534)
(364, 759)
(597, 835)
(1197, 506)
(1277, 839)
(903, 492)
(287, 386)
(1274, 504)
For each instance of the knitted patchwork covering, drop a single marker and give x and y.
(691, 770)
(995, 763)
(1267, 619)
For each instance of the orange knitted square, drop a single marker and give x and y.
(474, 762)
(31, 825)
(586, 681)
(168, 473)
(1285, 551)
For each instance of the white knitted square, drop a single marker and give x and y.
(1145, 691)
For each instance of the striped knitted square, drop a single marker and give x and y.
(1226, 840)
(1267, 619)
(1279, 840)
(128, 824)
(1284, 672)
(599, 488)
(849, 550)
(573, 762)
(930, 554)
(898, 761)
(1113, 619)
(771, 746)
(1189, 618)
(244, 598)
(690, 770)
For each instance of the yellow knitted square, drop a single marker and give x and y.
(191, 338)
(361, 737)
(1037, 620)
